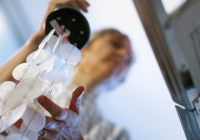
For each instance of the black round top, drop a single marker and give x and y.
(72, 22)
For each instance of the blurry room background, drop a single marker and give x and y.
(142, 104)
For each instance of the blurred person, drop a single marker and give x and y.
(105, 62)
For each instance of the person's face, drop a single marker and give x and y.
(107, 55)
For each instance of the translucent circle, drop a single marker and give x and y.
(48, 63)
(13, 117)
(56, 76)
(14, 100)
(16, 137)
(40, 58)
(34, 117)
(25, 71)
(69, 54)
(52, 42)
(32, 135)
(6, 88)
(30, 88)
(56, 90)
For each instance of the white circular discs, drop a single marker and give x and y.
(32, 135)
(52, 42)
(48, 63)
(6, 88)
(34, 117)
(14, 100)
(14, 117)
(40, 58)
(56, 76)
(16, 137)
(56, 90)
(69, 54)
(30, 88)
(25, 71)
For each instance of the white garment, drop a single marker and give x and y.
(93, 127)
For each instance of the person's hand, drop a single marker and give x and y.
(64, 123)
(53, 4)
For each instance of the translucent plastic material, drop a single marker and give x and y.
(34, 117)
(69, 54)
(56, 76)
(52, 42)
(16, 137)
(25, 71)
(56, 45)
(56, 90)
(40, 58)
(32, 135)
(14, 100)
(46, 39)
(48, 63)
(5, 88)
(14, 117)
(30, 88)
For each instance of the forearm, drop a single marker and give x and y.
(20, 57)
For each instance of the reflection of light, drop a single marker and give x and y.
(171, 5)
(2, 24)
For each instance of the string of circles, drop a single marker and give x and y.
(36, 77)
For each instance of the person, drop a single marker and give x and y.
(105, 62)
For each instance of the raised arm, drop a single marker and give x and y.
(34, 41)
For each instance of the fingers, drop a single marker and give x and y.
(50, 135)
(83, 5)
(75, 102)
(56, 111)
(50, 124)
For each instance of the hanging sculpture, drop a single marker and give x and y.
(36, 77)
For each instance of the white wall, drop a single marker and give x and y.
(142, 104)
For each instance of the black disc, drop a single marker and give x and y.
(72, 20)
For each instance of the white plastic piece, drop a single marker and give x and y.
(46, 39)
(48, 63)
(14, 100)
(34, 117)
(11, 130)
(14, 117)
(56, 90)
(25, 71)
(16, 137)
(57, 76)
(40, 58)
(30, 88)
(6, 88)
(32, 135)
(52, 42)
(56, 45)
(69, 54)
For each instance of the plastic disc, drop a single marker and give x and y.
(40, 58)
(56, 76)
(32, 135)
(34, 117)
(69, 54)
(48, 63)
(5, 88)
(56, 90)
(25, 71)
(14, 117)
(14, 100)
(30, 88)
(16, 137)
